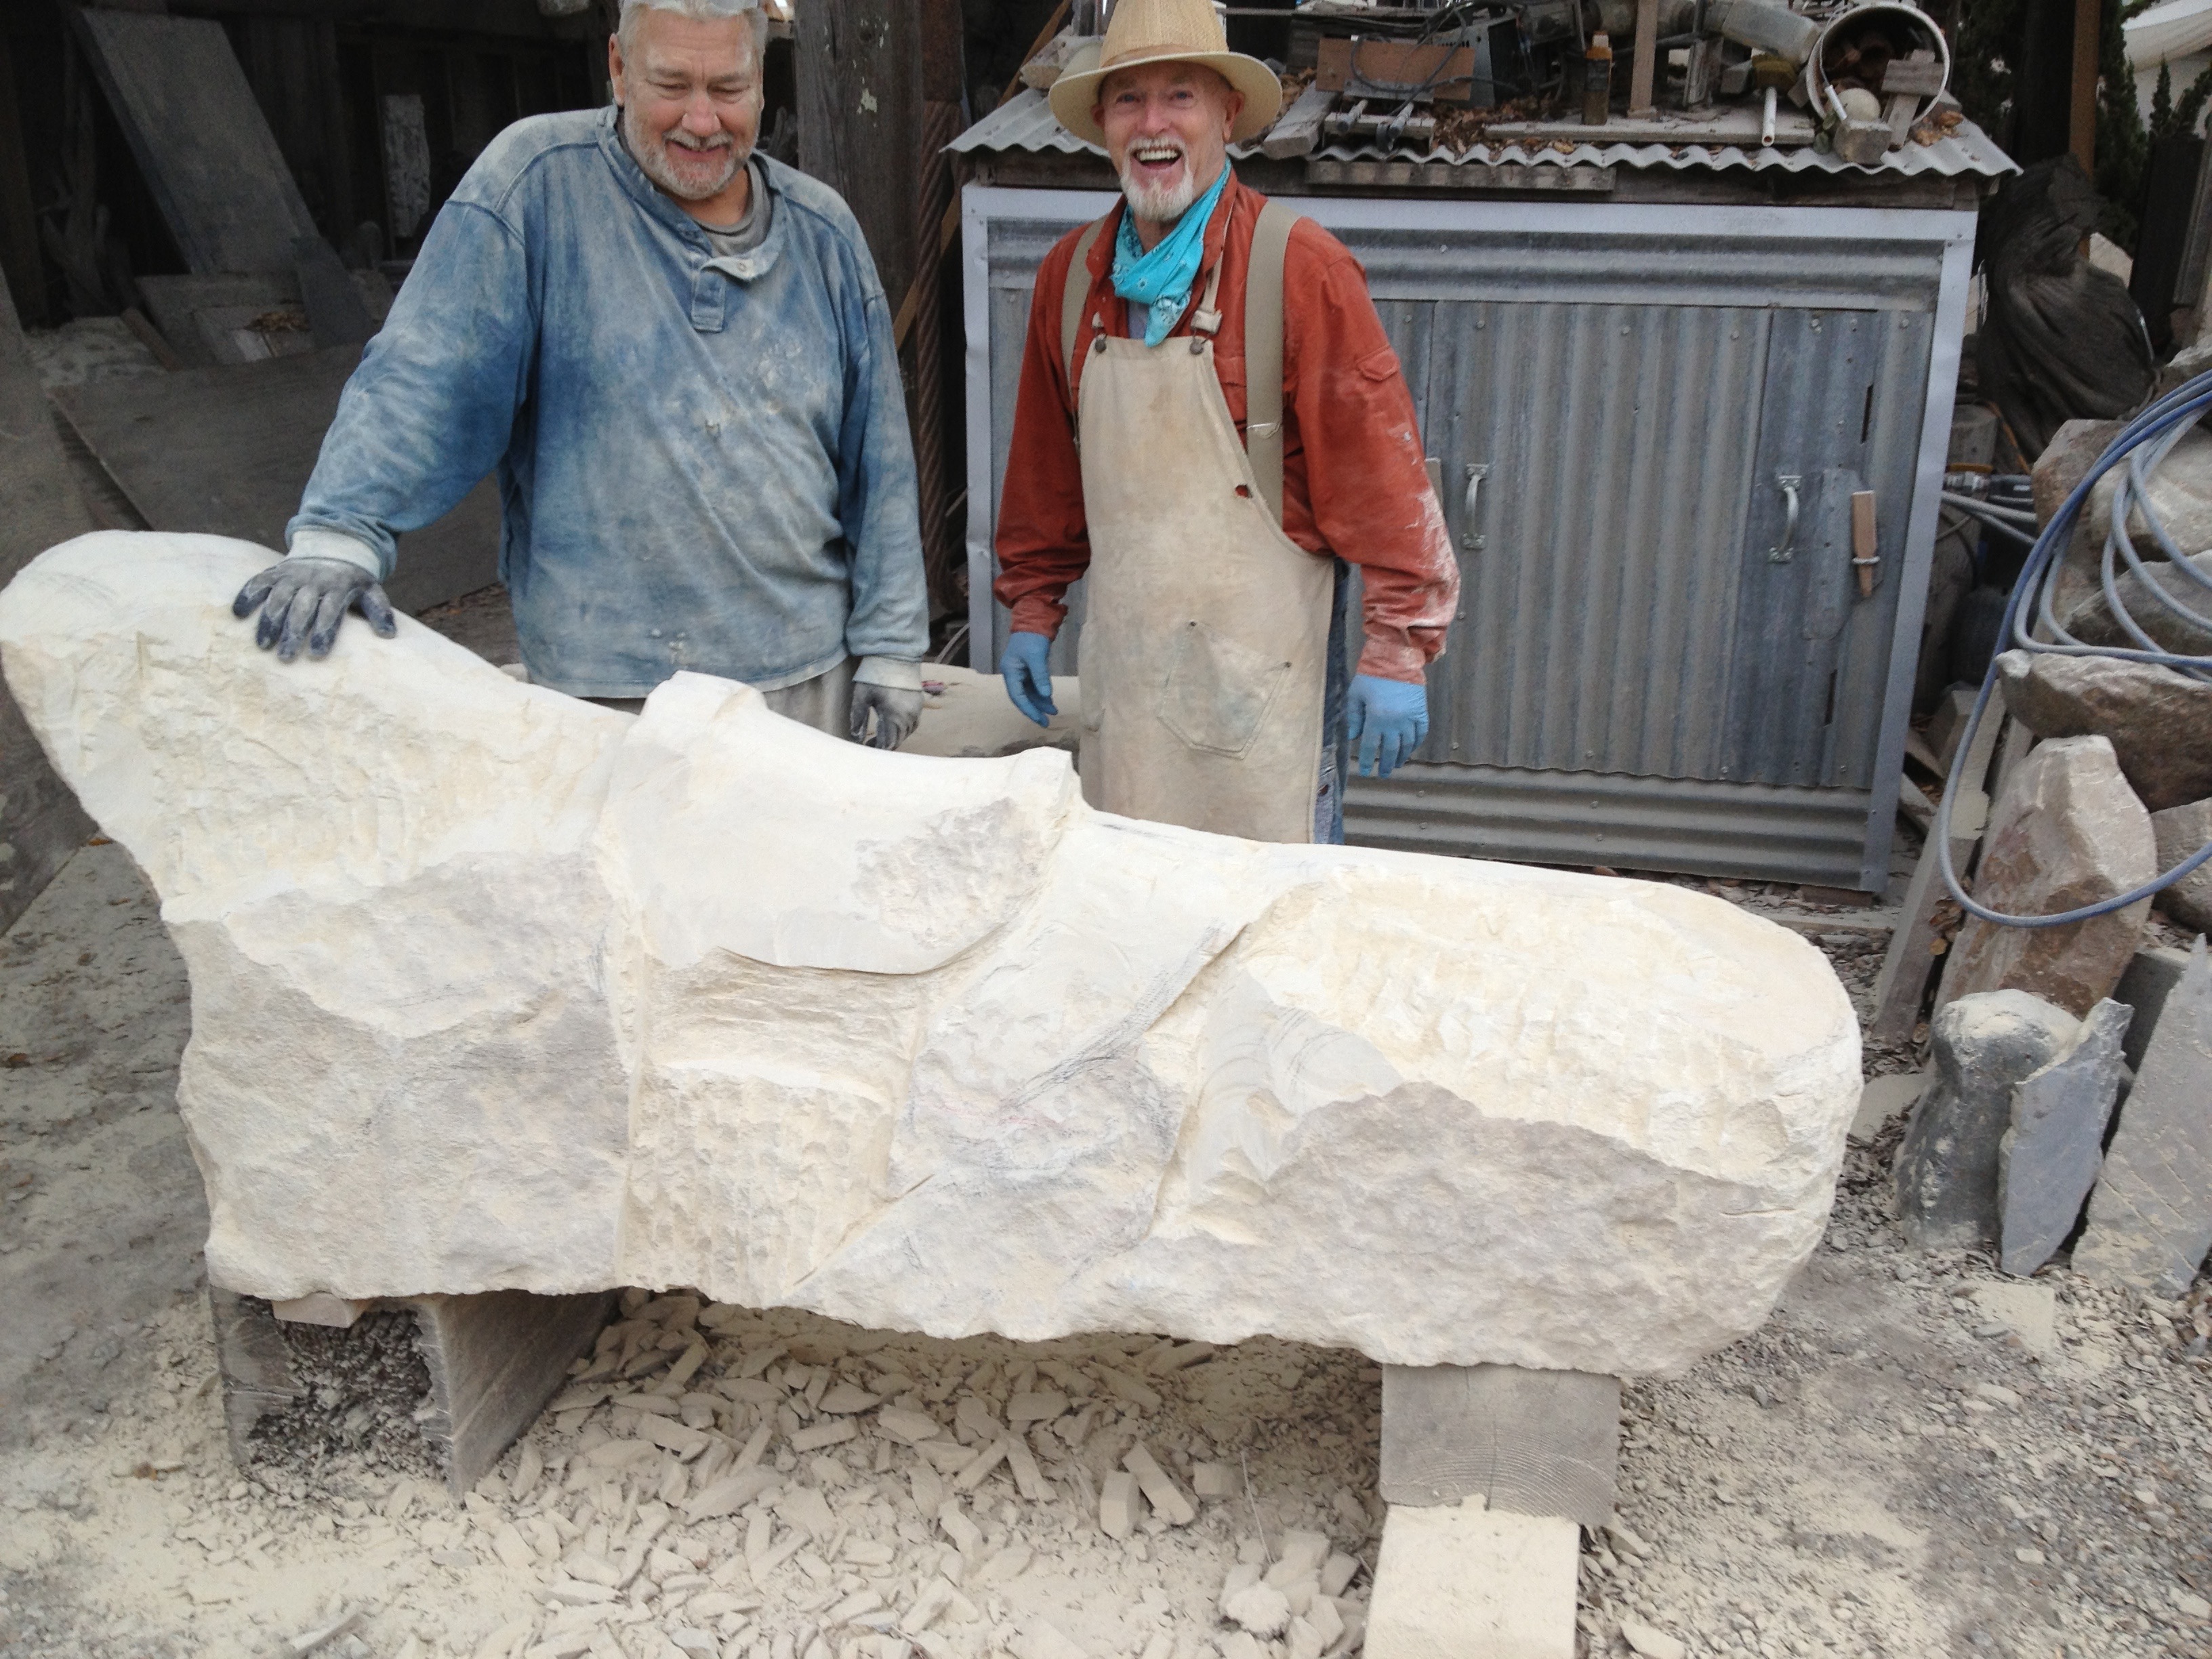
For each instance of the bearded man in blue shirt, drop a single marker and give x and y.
(677, 355)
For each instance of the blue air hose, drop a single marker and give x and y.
(2154, 432)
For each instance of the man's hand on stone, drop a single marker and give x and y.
(896, 712)
(1029, 681)
(1385, 720)
(304, 598)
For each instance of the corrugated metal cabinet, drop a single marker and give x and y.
(1652, 421)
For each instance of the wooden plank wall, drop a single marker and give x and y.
(40, 822)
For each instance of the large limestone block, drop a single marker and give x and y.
(493, 988)
(2160, 722)
(2067, 833)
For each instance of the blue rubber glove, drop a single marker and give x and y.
(1385, 720)
(1029, 681)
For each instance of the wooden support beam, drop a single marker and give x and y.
(1491, 1472)
(1643, 66)
(1536, 1442)
(2082, 115)
(40, 822)
(494, 1359)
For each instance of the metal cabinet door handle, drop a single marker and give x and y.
(1788, 482)
(1469, 538)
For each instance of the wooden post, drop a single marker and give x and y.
(859, 66)
(1644, 66)
(2082, 119)
(1491, 1472)
(494, 1360)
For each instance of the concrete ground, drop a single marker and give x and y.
(1914, 1457)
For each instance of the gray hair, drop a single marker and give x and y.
(700, 11)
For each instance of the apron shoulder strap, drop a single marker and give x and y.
(1072, 296)
(1263, 350)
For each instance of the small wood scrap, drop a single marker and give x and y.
(1296, 132)
(1363, 124)
(1406, 70)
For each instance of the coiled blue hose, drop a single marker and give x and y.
(2152, 433)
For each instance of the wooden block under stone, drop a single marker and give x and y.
(1455, 1580)
(255, 1364)
(1535, 1443)
(494, 1360)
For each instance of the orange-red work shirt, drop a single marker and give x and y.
(1354, 482)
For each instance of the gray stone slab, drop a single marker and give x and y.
(2048, 1159)
(1947, 1164)
(2151, 1218)
(2152, 974)
(1533, 1442)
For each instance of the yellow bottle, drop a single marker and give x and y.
(1597, 80)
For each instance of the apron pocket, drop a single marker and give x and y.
(1217, 692)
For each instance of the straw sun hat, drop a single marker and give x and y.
(1165, 32)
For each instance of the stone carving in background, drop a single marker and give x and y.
(492, 988)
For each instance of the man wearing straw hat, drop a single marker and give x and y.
(1211, 423)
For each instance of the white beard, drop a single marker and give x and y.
(650, 151)
(1159, 204)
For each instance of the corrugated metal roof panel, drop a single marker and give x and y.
(1025, 123)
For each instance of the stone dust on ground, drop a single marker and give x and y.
(1913, 1457)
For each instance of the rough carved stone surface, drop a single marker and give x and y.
(2067, 833)
(492, 988)
(1947, 1164)
(2160, 722)
(2178, 833)
(2151, 1218)
(2048, 1160)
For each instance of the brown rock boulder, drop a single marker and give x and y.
(2093, 623)
(2178, 832)
(2067, 832)
(2160, 722)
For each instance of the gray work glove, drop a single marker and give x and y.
(895, 711)
(306, 599)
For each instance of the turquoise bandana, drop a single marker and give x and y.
(1162, 279)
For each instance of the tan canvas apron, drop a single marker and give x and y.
(1204, 655)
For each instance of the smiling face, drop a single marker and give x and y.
(1167, 129)
(690, 93)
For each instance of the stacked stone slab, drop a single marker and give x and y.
(494, 989)
(2048, 1157)
(2150, 1219)
(2067, 832)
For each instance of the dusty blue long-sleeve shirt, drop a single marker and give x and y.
(703, 462)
